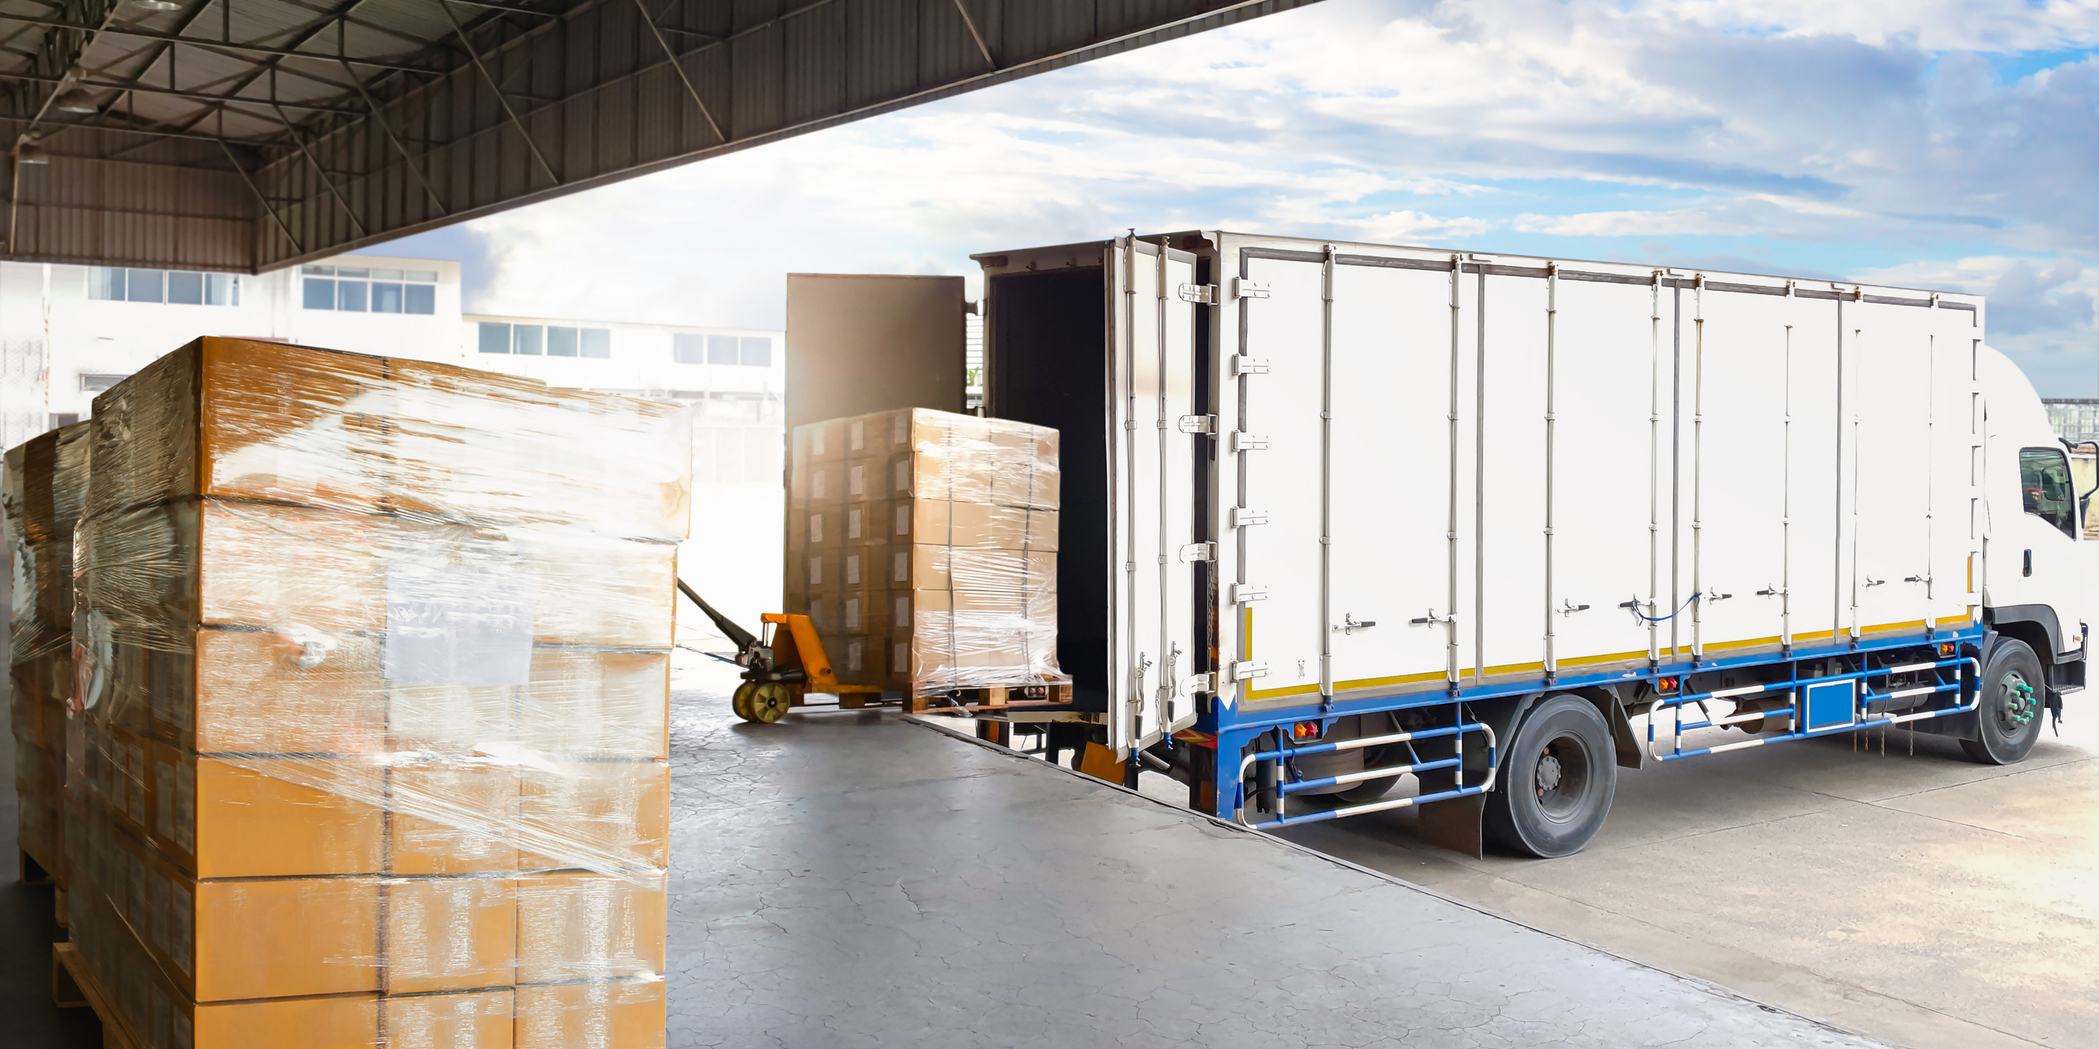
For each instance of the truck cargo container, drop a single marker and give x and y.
(1337, 515)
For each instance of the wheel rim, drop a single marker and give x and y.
(2017, 702)
(1561, 778)
(769, 702)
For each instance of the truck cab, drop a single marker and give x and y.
(2039, 570)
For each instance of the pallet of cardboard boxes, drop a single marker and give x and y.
(374, 669)
(923, 547)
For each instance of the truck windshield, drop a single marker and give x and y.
(2044, 477)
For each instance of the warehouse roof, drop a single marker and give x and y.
(249, 134)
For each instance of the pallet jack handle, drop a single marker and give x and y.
(746, 642)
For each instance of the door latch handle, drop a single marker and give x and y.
(2029, 563)
(1350, 624)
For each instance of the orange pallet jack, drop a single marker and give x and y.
(777, 676)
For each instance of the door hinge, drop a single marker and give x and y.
(1198, 424)
(1202, 293)
(1198, 552)
(1248, 670)
(1248, 289)
(1246, 442)
(1243, 517)
(1244, 365)
(1195, 683)
(1247, 593)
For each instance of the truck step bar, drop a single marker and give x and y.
(1803, 707)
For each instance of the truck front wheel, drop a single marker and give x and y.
(1558, 774)
(2008, 713)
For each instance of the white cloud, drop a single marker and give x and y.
(1806, 134)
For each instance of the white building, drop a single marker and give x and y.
(69, 332)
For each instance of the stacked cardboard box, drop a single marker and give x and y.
(376, 666)
(923, 547)
(46, 480)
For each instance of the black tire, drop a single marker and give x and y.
(2008, 714)
(1558, 774)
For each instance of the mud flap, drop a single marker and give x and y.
(1455, 824)
(1630, 755)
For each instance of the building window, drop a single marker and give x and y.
(561, 342)
(757, 351)
(688, 348)
(722, 349)
(526, 339)
(142, 285)
(177, 287)
(361, 290)
(495, 338)
(596, 342)
(185, 288)
(91, 382)
(105, 282)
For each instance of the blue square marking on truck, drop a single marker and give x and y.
(1830, 705)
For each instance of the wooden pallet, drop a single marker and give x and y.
(33, 871)
(933, 699)
(73, 987)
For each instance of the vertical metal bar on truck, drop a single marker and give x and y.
(1785, 520)
(1836, 581)
(1450, 624)
(1326, 476)
(1654, 466)
(1168, 660)
(1676, 461)
(1552, 313)
(1698, 469)
(1857, 336)
(1479, 479)
(1135, 684)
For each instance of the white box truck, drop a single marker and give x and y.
(1338, 516)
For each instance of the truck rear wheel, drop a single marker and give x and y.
(1558, 773)
(2008, 713)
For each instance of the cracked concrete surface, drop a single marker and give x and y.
(1922, 899)
(852, 879)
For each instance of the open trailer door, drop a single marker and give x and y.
(1158, 658)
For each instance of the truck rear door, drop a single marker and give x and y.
(1159, 658)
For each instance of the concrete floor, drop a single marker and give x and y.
(846, 879)
(1925, 900)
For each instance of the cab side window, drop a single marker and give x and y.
(2044, 478)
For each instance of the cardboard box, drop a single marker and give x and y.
(583, 926)
(596, 703)
(448, 934)
(250, 420)
(451, 817)
(614, 1014)
(598, 814)
(265, 817)
(975, 525)
(471, 1020)
(297, 691)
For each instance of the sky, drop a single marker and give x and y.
(1942, 144)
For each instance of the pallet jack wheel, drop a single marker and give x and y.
(740, 700)
(769, 702)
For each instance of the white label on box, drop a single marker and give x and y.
(856, 480)
(903, 476)
(855, 655)
(164, 800)
(816, 570)
(816, 528)
(900, 611)
(859, 439)
(816, 440)
(816, 482)
(852, 615)
(852, 524)
(903, 519)
(448, 625)
(852, 569)
(186, 813)
(903, 567)
(185, 927)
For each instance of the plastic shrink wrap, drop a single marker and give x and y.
(45, 482)
(373, 663)
(923, 547)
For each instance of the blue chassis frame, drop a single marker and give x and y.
(1234, 730)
